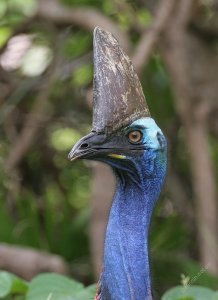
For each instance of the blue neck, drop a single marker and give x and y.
(126, 274)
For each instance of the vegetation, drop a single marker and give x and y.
(45, 106)
(58, 287)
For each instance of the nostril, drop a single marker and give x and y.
(84, 145)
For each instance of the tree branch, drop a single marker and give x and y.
(87, 18)
(149, 38)
(27, 262)
(30, 128)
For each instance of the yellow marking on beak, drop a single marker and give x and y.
(118, 156)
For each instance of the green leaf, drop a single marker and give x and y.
(3, 8)
(188, 293)
(11, 284)
(78, 44)
(5, 33)
(63, 139)
(5, 284)
(87, 294)
(124, 20)
(144, 17)
(215, 296)
(51, 286)
(109, 7)
(27, 7)
(83, 75)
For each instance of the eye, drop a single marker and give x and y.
(135, 136)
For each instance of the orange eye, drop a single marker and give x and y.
(135, 136)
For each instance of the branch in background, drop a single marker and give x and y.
(6, 85)
(30, 128)
(27, 262)
(213, 121)
(17, 93)
(68, 67)
(204, 185)
(183, 15)
(179, 197)
(148, 40)
(87, 18)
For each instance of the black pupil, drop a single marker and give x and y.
(135, 136)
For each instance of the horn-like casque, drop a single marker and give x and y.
(118, 95)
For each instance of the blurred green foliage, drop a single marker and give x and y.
(57, 287)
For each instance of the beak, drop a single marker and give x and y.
(98, 145)
(87, 146)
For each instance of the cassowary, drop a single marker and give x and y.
(128, 139)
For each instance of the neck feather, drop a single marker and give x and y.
(126, 274)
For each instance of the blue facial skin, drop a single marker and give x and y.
(140, 177)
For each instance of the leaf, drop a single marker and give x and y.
(215, 296)
(5, 284)
(87, 294)
(50, 286)
(3, 8)
(5, 33)
(124, 20)
(77, 45)
(144, 17)
(36, 60)
(27, 7)
(63, 139)
(188, 293)
(11, 284)
(83, 75)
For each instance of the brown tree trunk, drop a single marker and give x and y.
(103, 184)
(204, 186)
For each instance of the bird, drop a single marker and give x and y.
(126, 137)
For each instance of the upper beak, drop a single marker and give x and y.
(80, 149)
(86, 146)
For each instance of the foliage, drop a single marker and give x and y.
(11, 284)
(57, 287)
(190, 293)
(44, 286)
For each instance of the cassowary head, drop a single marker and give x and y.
(123, 134)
